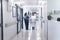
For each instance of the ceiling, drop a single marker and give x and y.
(31, 2)
(28, 2)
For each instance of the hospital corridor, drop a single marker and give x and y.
(28, 35)
(29, 19)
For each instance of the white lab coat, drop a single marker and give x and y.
(33, 21)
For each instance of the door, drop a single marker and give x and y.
(1, 21)
(20, 19)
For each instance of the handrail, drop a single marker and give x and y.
(10, 24)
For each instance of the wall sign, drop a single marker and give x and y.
(9, 6)
(14, 11)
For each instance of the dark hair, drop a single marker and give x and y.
(25, 14)
(32, 13)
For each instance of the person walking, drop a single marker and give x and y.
(26, 20)
(33, 21)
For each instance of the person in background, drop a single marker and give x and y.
(33, 21)
(26, 20)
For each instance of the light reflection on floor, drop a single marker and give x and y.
(28, 35)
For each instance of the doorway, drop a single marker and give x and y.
(19, 18)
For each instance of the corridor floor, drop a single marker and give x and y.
(28, 35)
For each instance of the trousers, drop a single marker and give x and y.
(26, 25)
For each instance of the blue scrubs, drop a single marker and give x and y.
(26, 19)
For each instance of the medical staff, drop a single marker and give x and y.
(26, 20)
(33, 21)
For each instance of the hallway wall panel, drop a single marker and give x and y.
(9, 23)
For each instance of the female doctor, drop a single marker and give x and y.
(33, 21)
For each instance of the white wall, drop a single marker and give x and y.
(9, 31)
(44, 22)
(53, 4)
(53, 30)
